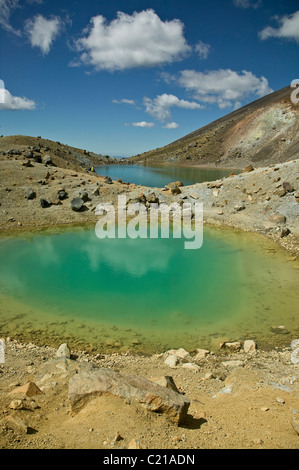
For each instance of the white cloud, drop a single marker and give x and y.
(171, 125)
(129, 41)
(223, 87)
(160, 106)
(7, 101)
(7, 7)
(288, 29)
(143, 124)
(42, 31)
(203, 49)
(124, 101)
(247, 3)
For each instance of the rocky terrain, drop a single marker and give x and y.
(235, 397)
(40, 194)
(262, 133)
(38, 149)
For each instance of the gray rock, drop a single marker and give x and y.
(295, 344)
(28, 154)
(288, 187)
(277, 219)
(45, 203)
(249, 346)
(77, 204)
(37, 158)
(239, 207)
(172, 361)
(63, 351)
(30, 194)
(108, 180)
(174, 188)
(295, 356)
(88, 384)
(47, 159)
(284, 232)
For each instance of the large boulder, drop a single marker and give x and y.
(89, 384)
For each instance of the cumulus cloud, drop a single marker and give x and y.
(202, 49)
(171, 125)
(159, 107)
(42, 31)
(288, 28)
(223, 87)
(129, 41)
(247, 3)
(124, 101)
(143, 124)
(7, 101)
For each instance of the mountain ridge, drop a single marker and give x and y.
(263, 132)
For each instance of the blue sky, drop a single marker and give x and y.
(120, 78)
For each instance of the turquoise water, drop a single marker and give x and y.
(110, 293)
(158, 177)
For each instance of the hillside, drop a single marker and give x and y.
(261, 133)
(62, 155)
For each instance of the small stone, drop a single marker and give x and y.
(201, 354)
(108, 180)
(277, 219)
(239, 207)
(45, 203)
(295, 344)
(135, 444)
(280, 400)
(295, 356)
(280, 192)
(63, 351)
(280, 330)
(249, 346)
(191, 366)
(30, 194)
(248, 169)
(47, 159)
(284, 232)
(174, 188)
(265, 408)
(171, 361)
(26, 163)
(77, 204)
(232, 364)
(16, 424)
(288, 186)
(30, 389)
(233, 345)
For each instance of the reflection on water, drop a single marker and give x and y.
(158, 177)
(151, 289)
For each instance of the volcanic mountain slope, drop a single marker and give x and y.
(62, 156)
(261, 133)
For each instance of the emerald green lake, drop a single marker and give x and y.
(158, 177)
(145, 294)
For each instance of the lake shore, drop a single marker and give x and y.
(238, 400)
(255, 201)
